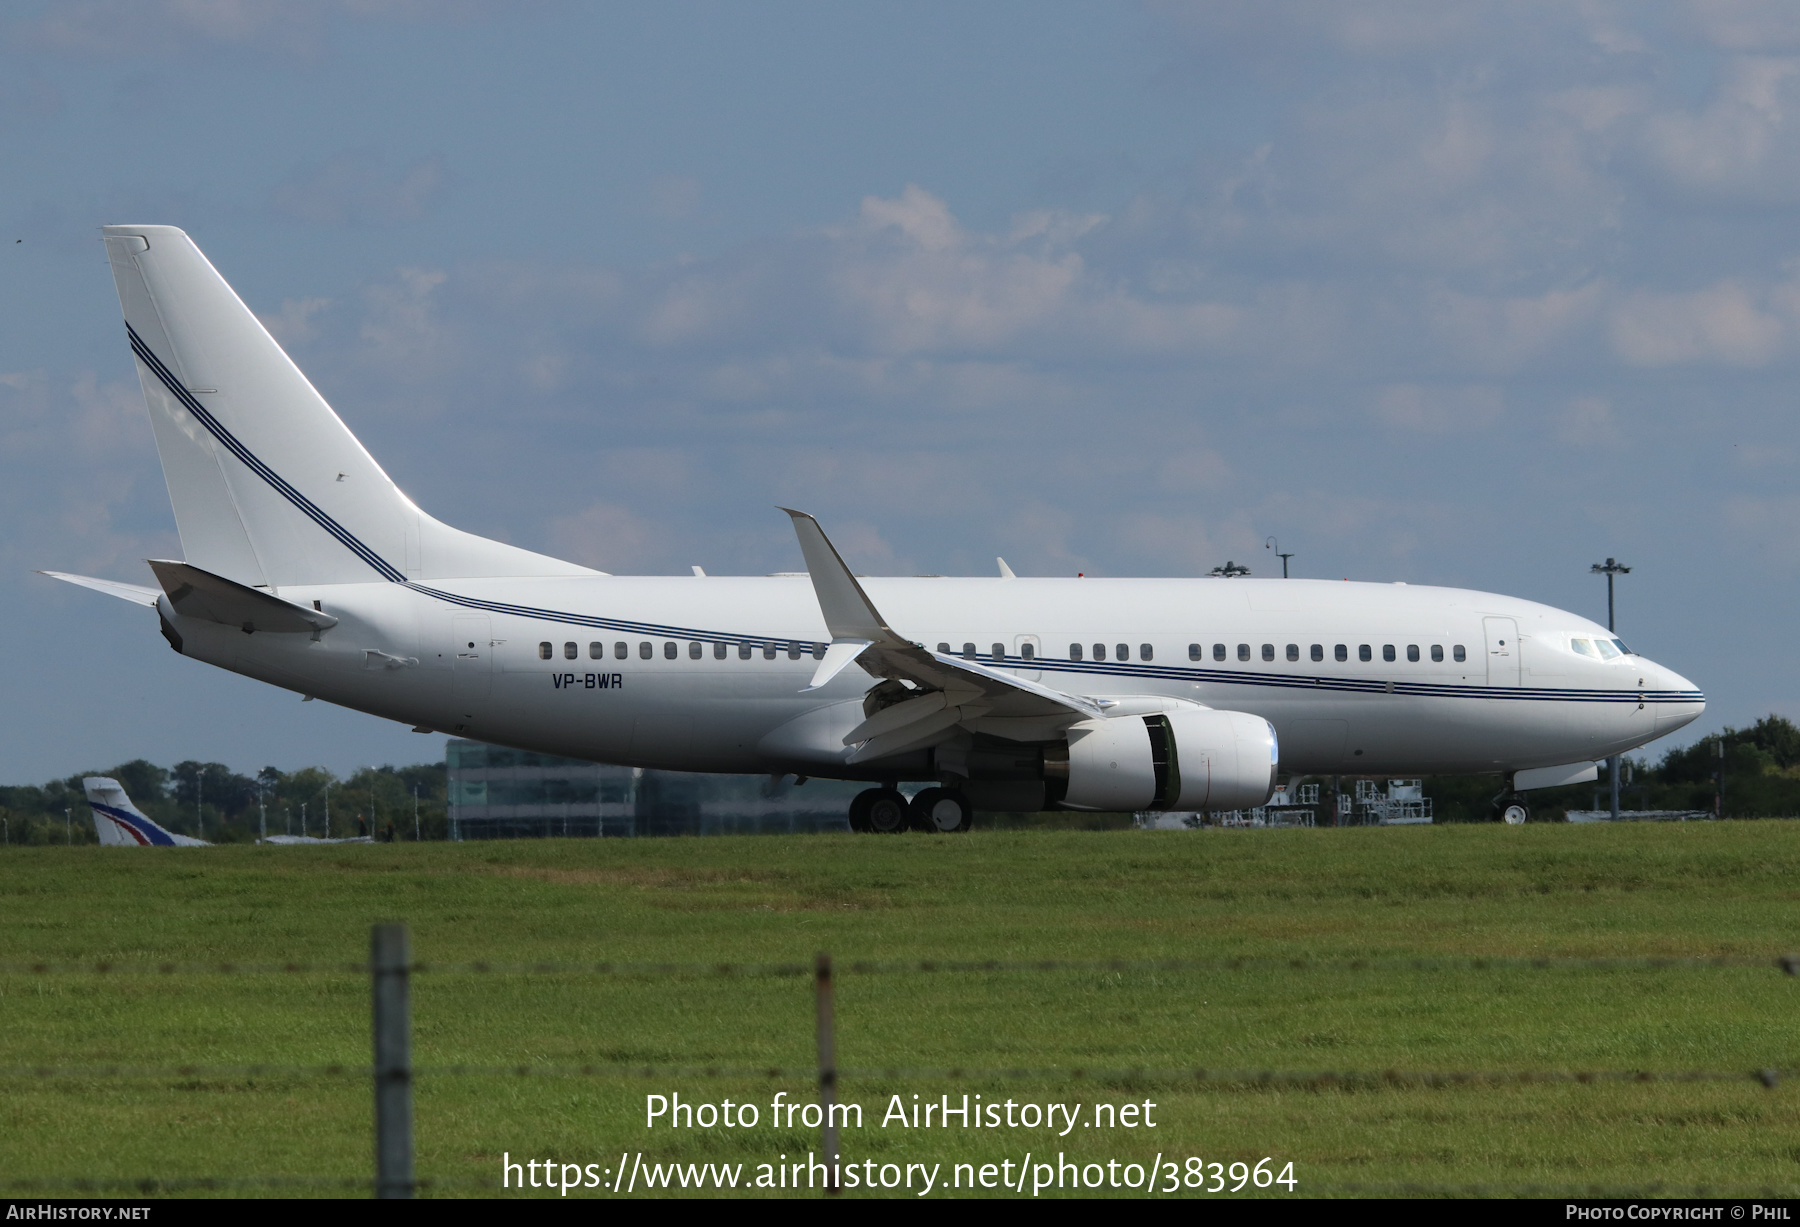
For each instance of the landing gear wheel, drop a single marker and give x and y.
(881, 811)
(1514, 815)
(941, 811)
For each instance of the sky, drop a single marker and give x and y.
(1448, 292)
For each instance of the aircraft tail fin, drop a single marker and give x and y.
(269, 485)
(119, 823)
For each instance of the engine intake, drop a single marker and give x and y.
(1180, 760)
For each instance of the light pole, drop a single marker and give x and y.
(1272, 544)
(1610, 568)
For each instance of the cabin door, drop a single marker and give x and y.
(473, 671)
(1502, 651)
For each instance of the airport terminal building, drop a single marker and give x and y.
(499, 793)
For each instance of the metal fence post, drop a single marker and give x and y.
(828, 1141)
(389, 965)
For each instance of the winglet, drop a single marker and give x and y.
(849, 613)
(837, 657)
(1006, 572)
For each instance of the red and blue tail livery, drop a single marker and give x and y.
(120, 824)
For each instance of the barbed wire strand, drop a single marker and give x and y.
(1299, 1079)
(1788, 963)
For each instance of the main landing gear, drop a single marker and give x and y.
(941, 811)
(884, 811)
(1510, 808)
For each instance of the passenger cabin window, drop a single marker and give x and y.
(1193, 651)
(1268, 651)
(1341, 651)
(596, 651)
(1074, 651)
(544, 651)
(1437, 653)
(1123, 652)
(999, 653)
(570, 651)
(1363, 652)
(1293, 651)
(621, 651)
(968, 651)
(694, 650)
(1387, 651)
(1243, 651)
(1146, 652)
(819, 650)
(646, 650)
(744, 650)
(1028, 651)
(1583, 648)
(1318, 651)
(943, 649)
(669, 650)
(1607, 650)
(768, 651)
(719, 650)
(793, 651)
(1099, 651)
(1412, 652)
(1218, 651)
(1459, 652)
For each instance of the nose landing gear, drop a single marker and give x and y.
(1510, 807)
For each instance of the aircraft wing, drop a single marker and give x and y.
(953, 691)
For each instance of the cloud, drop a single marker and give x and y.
(1722, 323)
(609, 537)
(358, 188)
(1439, 410)
(141, 29)
(295, 323)
(1587, 421)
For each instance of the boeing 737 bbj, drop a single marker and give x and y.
(307, 568)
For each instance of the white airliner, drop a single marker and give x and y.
(119, 823)
(307, 568)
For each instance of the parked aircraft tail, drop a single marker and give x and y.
(119, 823)
(269, 485)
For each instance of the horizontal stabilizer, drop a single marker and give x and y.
(213, 598)
(135, 593)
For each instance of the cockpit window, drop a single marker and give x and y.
(1620, 644)
(1607, 650)
(1582, 647)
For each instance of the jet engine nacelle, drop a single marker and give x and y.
(1179, 760)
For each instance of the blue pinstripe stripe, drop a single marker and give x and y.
(1162, 673)
(307, 507)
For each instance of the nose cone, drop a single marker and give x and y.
(1678, 701)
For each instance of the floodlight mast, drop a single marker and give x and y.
(1273, 544)
(1610, 568)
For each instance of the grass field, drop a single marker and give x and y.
(1383, 895)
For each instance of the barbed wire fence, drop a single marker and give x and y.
(392, 1074)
